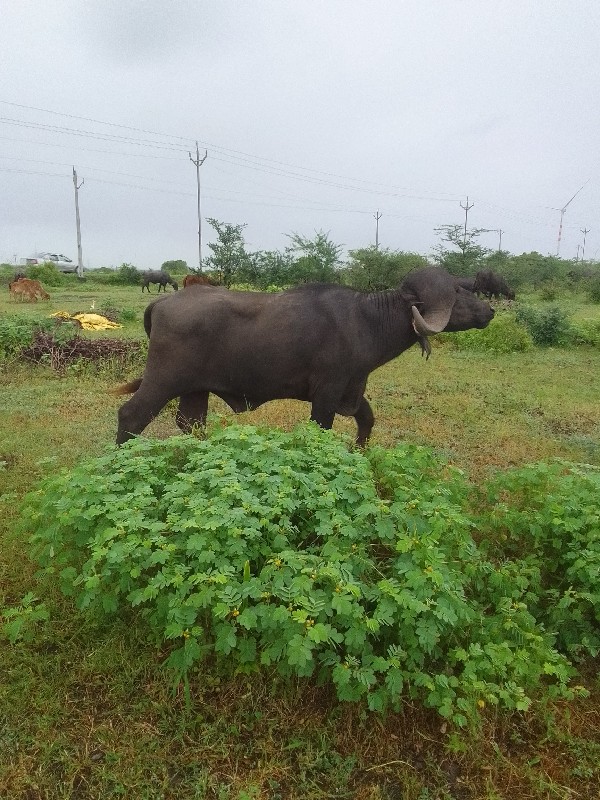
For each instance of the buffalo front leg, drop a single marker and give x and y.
(192, 410)
(137, 413)
(321, 413)
(364, 421)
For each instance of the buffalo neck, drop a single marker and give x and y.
(391, 319)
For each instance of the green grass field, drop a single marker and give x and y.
(85, 710)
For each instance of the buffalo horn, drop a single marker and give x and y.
(435, 323)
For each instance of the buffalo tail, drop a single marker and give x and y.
(126, 388)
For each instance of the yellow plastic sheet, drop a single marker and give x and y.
(89, 322)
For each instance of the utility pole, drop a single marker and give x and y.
(585, 232)
(198, 163)
(377, 216)
(467, 208)
(78, 224)
(500, 232)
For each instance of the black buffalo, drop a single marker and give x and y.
(160, 277)
(490, 284)
(317, 343)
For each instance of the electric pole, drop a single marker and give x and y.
(466, 208)
(377, 216)
(78, 224)
(198, 163)
(585, 232)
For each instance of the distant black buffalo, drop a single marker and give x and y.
(490, 284)
(317, 342)
(160, 277)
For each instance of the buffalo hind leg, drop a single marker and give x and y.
(364, 421)
(192, 410)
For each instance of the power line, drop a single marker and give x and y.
(238, 155)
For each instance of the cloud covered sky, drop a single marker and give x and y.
(314, 116)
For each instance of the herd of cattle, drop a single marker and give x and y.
(486, 283)
(30, 291)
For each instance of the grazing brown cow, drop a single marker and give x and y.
(28, 290)
(203, 280)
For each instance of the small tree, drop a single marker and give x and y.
(127, 275)
(178, 266)
(374, 269)
(229, 257)
(470, 255)
(315, 259)
(268, 268)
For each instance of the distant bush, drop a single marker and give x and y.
(586, 331)
(175, 267)
(46, 273)
(503, 335)
(126, 275)
(593, 290)
(547, 327)
(550, 290)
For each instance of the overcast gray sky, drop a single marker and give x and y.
(315, 115)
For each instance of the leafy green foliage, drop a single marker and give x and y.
(176, 266)
(228, 254)
(126, 275)
(374, 269)
(586, 331)
(548, 517)
(593, 289)
(548, 327)
(46, 273)
(18, 622)
(467, 257)
(18, 333)
(535, 269)
(503, 335)
(314, 260)
(288, 551)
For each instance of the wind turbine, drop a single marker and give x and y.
(562, 213)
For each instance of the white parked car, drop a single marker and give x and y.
(62, 263)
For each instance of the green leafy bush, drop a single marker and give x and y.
(547, 518)
(126, 275)
(586, 331)
(503, 335)
(18, 333)
(112, 311)
(46, 273)
(19, 622)
(548, 327)
(593, 289)
(288, 551)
